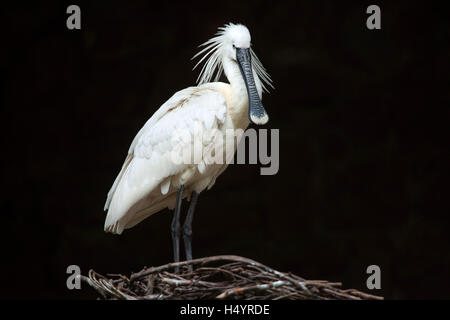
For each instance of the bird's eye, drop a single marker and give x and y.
(234, 47)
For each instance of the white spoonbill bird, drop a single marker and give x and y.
(150, 180)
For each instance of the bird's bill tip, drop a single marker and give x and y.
(259, 119)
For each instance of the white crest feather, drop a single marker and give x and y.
(213, 68)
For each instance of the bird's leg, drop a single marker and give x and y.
(187, 227)
(175, 227)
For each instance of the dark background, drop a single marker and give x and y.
(364, 158)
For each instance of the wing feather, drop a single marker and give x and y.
(149, 166)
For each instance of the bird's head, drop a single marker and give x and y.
(235, 37)
(232, 43)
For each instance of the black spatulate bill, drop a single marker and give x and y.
(256, 112)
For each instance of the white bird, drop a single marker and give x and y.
(150, 180)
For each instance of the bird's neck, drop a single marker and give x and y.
(238, 100)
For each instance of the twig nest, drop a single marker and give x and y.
(217, 277)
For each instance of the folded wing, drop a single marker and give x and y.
(145, 177)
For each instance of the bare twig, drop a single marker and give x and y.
(217, 277)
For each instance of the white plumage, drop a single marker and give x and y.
(149, 178)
